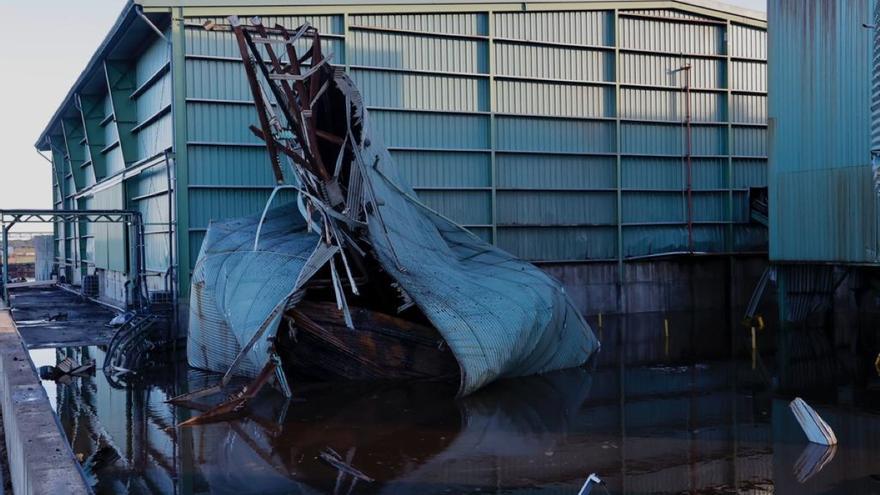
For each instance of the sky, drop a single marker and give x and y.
(44, 45)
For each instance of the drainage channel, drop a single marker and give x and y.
(39, 457)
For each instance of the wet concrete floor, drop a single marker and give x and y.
(53, 317)
(693, 412)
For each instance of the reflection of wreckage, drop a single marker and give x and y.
(364, 282)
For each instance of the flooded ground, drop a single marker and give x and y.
(693, 412)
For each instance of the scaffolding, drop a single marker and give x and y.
(131, 219)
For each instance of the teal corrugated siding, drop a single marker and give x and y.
(822, 204)
(508, 123)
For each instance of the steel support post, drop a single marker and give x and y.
(5, 262)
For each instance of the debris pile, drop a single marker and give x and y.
(357, 279)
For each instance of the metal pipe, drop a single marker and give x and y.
(688, 154)
(140, 12)
(171, 274)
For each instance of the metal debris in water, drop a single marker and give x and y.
(66, 369)
(131, 345)
(816, 429)
(367, 282)
(813, 459)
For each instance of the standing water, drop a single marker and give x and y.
(690, 410)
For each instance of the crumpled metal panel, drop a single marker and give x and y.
(235, 288)
(501, 316)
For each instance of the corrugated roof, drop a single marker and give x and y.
(129, 14)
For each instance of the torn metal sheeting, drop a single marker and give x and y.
(358, 238)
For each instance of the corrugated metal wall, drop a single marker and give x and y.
(557, 135)
(822, 204)
(102, 154)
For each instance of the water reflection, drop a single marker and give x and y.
(677, 414)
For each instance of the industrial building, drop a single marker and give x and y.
(823, 202)
(823, 213)
(591, 137)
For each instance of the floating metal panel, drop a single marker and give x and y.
(553, 62)
(555, 171)
(473, 24)
(822, 204)
(423, 91)
(573, 27)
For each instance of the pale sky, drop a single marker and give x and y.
(44, 45)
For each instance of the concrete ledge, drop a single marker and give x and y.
(40, 459)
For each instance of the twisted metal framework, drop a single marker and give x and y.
(318, 137)
(132, 219)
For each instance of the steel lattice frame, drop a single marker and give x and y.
(132, 219)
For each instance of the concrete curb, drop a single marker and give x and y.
(40, 459)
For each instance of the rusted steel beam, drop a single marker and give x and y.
(237, 401)
(258, 98)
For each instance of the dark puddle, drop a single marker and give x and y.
(688, 413)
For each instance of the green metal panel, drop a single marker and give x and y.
(153, 95)
(442, 169)
(539, 171)
(148, 193)
(121, 84)
(822, 204)
(110, 246)
(527, 136)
